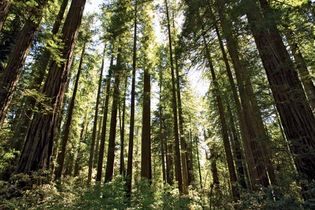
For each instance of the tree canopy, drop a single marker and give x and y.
(157, 104)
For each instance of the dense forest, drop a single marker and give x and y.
(157, 104)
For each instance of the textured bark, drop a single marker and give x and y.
(254, 140)
(190, 159)
(4, 9)
(104, 127)
(43, 61)
(11, 74)
(304, 73)
(182, 139)
(38, 74)
(169, 161)
(161, 125)
(68, 122)
(122, 129)
(146, 167)
(40, 136)
(296, 115)
(222, 117)
(94, 132)
(113, 122)
(178, 168)
(238, 156)
(97, 143)
(132, 104)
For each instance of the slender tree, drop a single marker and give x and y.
(223, 121)
(113, 122)
(94, 132)
(178, 171)
(132, 102)
(104, 126)
(68, 122)
(122, 128)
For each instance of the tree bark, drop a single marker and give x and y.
(253, 140)
(40, 136)
(97, 144)
(94, 132)
(238, 156)
(38, 74)
(62, 153)
(178, 170)
(296, 115)
(104, 127)
(132, 104)
(146, 167)
(304, 73)
(198, 161)
(222, 117)
(161, 130)
(112, 132)
(43, 61)
(11, 74)
(122, 130)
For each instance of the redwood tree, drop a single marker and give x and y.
(39, 140)
(11, 73)
(296, 115)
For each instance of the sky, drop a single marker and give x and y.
(198, 85)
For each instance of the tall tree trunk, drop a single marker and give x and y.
(104, 127)
(43, 61)
(38, 74)
(40, 136)
(240, 113)
(4, 9)
(122, 130)
(198, 161)
(83, 132)
(190, 156)
(132, 104)
(296, 115)
(11, 74)
(113, 122)
(94, 133)
(146, 167)
(180, 119)
(97, 143)
(240, 168)
(178, 170)
(222, 117)
(161, 130)
(254, 154)
(169, 162)
(304, 73)
(62, 153)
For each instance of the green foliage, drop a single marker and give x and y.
(144, 197)
(269, 199)
(110, 196)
